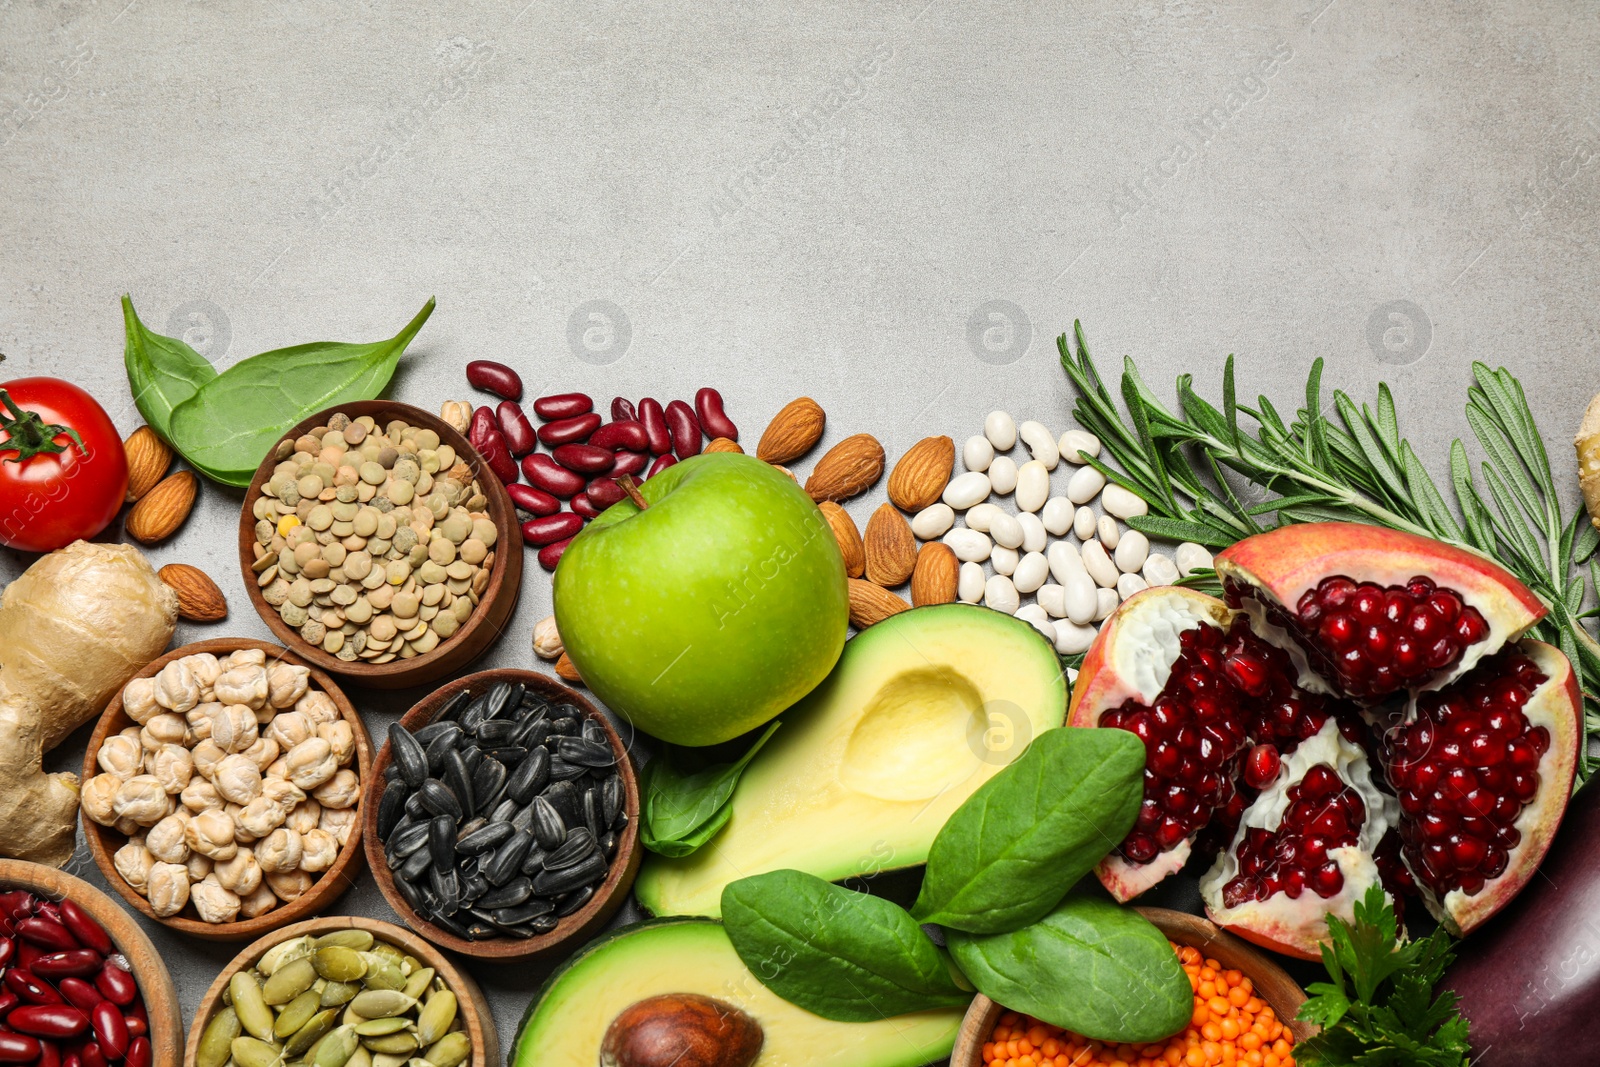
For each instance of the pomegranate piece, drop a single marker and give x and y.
(1372, 611)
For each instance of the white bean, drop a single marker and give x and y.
(1032, 613)
(1123, 503)
(1081, 599)
(1108, 531)
(1041, 444)
(980, 516)
(1031, 572)
(1036, 618)
(966, 490)
(1074, 441)
(1106, 601)
(1130, 584)
(1085, 485)
(1005, 559)
(977, 453)
(1033, 485)
(1098, 564)
(1003, 474)
(969, 587)
(1083, 523)
(1001, 595)
(1191, 557)
(1033, 532)
(933, 520)
(1159, 570)
(1053, 599)
(1057, 515)
(1001, 430)
(970, 546)
(1006, 530)
(1064, 561)
(1072, 638)
(1132, 550)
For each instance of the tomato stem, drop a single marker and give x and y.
(30, 435)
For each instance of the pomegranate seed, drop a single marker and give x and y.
(1261, 766)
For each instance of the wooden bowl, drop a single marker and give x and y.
(494, 608)
(575, 928)
(476, 1018)
(329, 885)
(1272, 983)
(149, 970)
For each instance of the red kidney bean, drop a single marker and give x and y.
(685, 429)
(497, 378)
(481, 426)
(8, 1000)
(582, 505)
(8, 948)
(566, 431)
(93, 1055)
(27, 952)
(49, 1054)
(17, 904)
(586, 459)
(30, 989)
(655, 426)
(48, 1020)
(708, 406)
(515, 428)
(79, 993)
(615, 435)
(18, 1048)
(136, 1024)
(109, 1029)
(494, 451)
(139, 1052)
(72, 1059)
(49, 909)
(76, 963)
(661, 464)
(47, 933)
(562, 406)
(550, 555)
(551, 528)
(628, 463)
(116, 985)
(535, 501)
(622, 410)
(550, 476)
(604, 491)
(90, 933)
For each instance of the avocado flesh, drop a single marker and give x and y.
(566, 1023)
(920, 710)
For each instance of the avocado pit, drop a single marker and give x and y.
(681, 1030)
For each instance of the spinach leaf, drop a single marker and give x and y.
(232, 421)
(1091, 966)
(836, 953)
(684, 811)
(163, 372)
(1013, 849)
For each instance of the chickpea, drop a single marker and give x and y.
(280, 851)
(96, 798)
(139, 700)
(176, 688)
(340, 791)
(133, 861)
(212, 834)
(205, 667)
(259, 818)
(200, 795)
(246, 684)
(167, 888)
(238, 780)
(311, 762)
(305, 817)
(142, 799)
(166, 839)
(286, 684)
(213, 902)
(235, 728)
(173, 766)
(341, 738)
(121, 756)
(319, 850)
(241, 875)
(289, 885)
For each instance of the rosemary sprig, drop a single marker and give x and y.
(1211, 479)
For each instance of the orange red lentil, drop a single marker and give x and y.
(1230, 1026)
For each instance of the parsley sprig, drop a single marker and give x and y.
(1379, 1009)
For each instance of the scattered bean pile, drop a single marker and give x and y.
(338, 999)
(238, 786)
(68, 996)
(587, 455)
(502, 816)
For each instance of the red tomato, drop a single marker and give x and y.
(63, 473)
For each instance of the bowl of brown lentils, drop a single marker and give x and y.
(380, 546)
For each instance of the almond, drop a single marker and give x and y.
(890, 548)
(848, 468)
(199, 599)
(792, 432)
(568, 670)
(723, 444)
(922, 473)
(871, 603)
(849, 538)
(937, 576)
(148, 459)
(160, 512)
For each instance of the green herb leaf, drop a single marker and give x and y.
(684, 811)
(1090, 966)
(836, 953)
(234, 419)
(1011, 851)
(163, 372)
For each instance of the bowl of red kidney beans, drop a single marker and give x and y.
(80, 983)
(586, 459)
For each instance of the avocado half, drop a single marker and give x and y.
(921, 710)
(568, 1019)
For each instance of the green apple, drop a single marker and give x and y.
(712, 610)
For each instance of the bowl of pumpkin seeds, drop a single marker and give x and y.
(342, 991)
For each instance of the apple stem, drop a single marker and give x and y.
(629, 486)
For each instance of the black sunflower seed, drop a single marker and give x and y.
(498, 699)
(437, 749)
(459, 778)
(585, 753)
(574, 901)
(608, 846)
(534, 863)
(566, 725)
(554, 883)
(591, 811)
(594, 731)
(514, 892)
(442, 842)
(410, 757)
(415, 866)
(534, 734)
(490, 835)
(473, 887)
(549, 828)
(508, 858)
(612, 795)
(494, 732)
(531, 775)
(438, 798)
(391, 807)
(488, 783)
(518, 914)
(435, 730)
(505, 811)
(567, 799)
(414, 808)
(578, 846)
(452, 707)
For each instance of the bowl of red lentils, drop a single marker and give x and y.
(1244, 1014)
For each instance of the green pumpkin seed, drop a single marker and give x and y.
(360, 940)
(293, 949)
(337, 993)
(378, 1027)
(254, 1015)
(401, 1043)
(248, 1052)
(314, 1030)
(360, 1058)
(337, 1048)
(411, 965)
(296, 1014)
(433, 1022)
(450, 1050)
(417, 984)
(388, 951)
(382, 972)
(390, 1059)
(381, 1003)
(216, 1044)
(340, 964)
(288, 981)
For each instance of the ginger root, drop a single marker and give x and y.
(74, 627)
(1588, 445)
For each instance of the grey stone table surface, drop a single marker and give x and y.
(892, 207)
